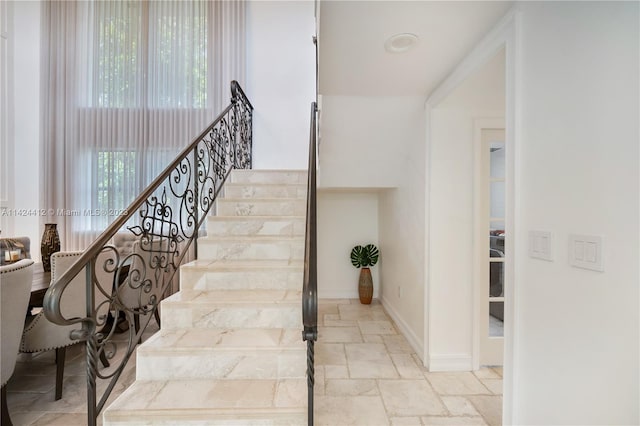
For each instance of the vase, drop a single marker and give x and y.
(365, 286)
(49, 245)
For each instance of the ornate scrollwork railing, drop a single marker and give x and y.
(164, 220)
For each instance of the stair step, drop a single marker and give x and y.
(232, 309)
(261, 207)
(255, 226)
(210, 402)
(251, 248)
(242, 274)
(222, 354)
(264, 190)
(269, 176)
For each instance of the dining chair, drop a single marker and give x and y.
(15, 287)
(150, 269)
(40, 334)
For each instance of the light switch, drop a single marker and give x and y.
(540, 245)
(585, 251)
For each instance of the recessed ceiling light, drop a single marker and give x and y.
(400, 42)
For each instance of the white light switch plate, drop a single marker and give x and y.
(541, 245)
(585, 251)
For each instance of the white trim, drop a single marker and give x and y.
(450, 362)
(427, 238)
(411, 337)
(507, 34)
(481, 54)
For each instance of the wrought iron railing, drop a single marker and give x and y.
(165, 219)
(310, 284)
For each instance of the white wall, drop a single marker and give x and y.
(280, 81)
(362, 140)
(451, 238)
(576, 358)
(450, 311)
(26, 115)
(377, 143)
(6, 115)
(345, 219)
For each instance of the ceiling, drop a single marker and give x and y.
(352, 33)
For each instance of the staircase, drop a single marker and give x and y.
(230, 350)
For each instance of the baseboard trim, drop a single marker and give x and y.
(450, 362)
(414, 341)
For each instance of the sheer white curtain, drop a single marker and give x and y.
(125, 86)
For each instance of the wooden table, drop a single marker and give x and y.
(39, 285)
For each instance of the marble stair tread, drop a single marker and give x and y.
(213, 265)
(242, 274)
(269, 176)
(281, 207)
(244, 297)
(198, 309)
(222, 354)
(224, 339)
(210, 402)
(256, 226)
(264, 190)
(246, 239)
(252, 248)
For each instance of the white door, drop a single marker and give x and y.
(490, 245)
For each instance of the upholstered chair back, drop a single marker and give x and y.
(15, 288)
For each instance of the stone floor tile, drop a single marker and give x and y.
(339, 334)
(498, 370)
(330, 354)
(61, 419)
(406, 366)
(456, 383)
(490, 407)
(486, 373)
(372, 338)
(410, 398)
(453, 421)
(362, 312)
(459, 406)
(336, 372)
(351, 410)
(333, 320)
(397, 344)
(369, 361)
(494, 385)
(405, 421)
(291, 393)
(376, 327)
(352, 387)
(319, 380)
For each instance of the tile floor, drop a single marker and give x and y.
(366, 374)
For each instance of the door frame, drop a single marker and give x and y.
(506, 34)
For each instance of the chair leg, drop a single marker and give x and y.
(104, 360)
(6, 418)
(136, 326)
(60, 355)
(156, 314)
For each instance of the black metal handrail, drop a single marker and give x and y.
(170, 213)
(310, 284)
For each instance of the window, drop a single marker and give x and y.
(128, 85)
(149, 54)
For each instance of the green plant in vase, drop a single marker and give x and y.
(363, 258)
